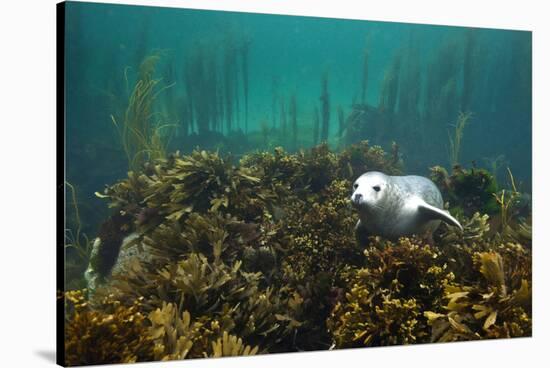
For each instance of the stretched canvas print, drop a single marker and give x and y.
(239, 184)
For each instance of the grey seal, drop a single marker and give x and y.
(396, 206)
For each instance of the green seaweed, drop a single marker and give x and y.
(467, 190)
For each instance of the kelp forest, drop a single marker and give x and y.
(210, 158)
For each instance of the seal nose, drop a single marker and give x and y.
(357, 198)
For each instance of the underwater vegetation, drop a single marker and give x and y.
(455, 138)
(77, 245)
(207, 255)
(140, 134)
(230, 85)
(226, 227)
(202, 100)
(213, 91)
(467, 190)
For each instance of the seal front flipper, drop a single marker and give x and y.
(361, 234)
(435, 213)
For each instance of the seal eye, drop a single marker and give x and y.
(355, 186)
(376, 188)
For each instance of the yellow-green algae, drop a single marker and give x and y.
(260, 256)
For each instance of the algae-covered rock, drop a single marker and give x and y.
(259, 255)
(385, 298)
(469, 287)
(114, 333)
(498, 305)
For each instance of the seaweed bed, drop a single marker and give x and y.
(260, 256)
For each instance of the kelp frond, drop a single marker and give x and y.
(506, 199)
(455, 137)
(77, 241)
(142, 138)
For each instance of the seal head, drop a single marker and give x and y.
(395, 206)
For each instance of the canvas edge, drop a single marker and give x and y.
(60, 183)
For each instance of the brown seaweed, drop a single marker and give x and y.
(259, 256)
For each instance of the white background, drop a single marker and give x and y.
(27, 181)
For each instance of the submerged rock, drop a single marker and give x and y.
(129, 252)
(261, 256)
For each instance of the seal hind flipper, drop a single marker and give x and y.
(435, 213)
